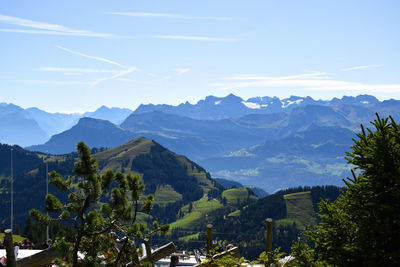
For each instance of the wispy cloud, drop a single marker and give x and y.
(193, 38)
(309, 81)
(362, 67)
(46, 28)
(180, 71)
(117, 75)
(125, 69)
(93, 57)
(167, 16)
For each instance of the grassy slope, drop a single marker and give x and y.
(16, 238)
(204, 206)
(236, 194)
(200, 208)
(299, 209)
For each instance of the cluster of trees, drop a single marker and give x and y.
(167, 213)
(361, 228)
(247, 230)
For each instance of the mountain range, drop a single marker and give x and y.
(233, 106)
(41, 125)
(34, 126)
(264, 141)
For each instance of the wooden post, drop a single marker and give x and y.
(269, 236)
(40, 259)
(148, 251)
(8, 240)
(209, 238)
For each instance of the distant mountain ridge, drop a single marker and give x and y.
(114, 115)
(94, 132)
(17, 127)
(233, 106)
(41, 125)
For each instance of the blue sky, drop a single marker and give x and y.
(69, 55)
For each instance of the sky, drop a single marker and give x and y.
(76, 55)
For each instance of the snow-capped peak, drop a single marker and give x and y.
(290, 102)
(252, 105)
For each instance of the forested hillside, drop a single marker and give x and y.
(173, 179)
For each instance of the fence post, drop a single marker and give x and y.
(209, 238)
(8, 240)
(269, 235)
(148, 251)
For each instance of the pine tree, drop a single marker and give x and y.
(105, 220)
(361, 228)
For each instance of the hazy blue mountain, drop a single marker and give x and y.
(53, 123)
(34, 126)
(194, 138)
(389, 107)
(360, 100)
(100, 133)
(94, 132)
(114, 115)
(18, 128)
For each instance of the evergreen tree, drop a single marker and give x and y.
(105, 221)
(361, 228)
